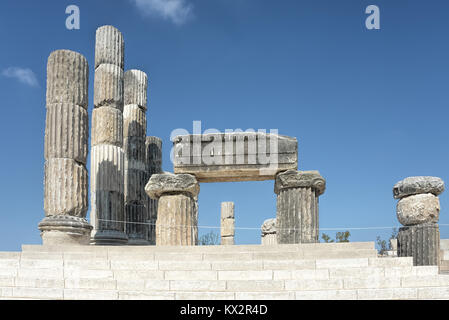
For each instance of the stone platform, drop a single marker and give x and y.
(307, 271)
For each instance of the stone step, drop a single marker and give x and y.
(349, 246)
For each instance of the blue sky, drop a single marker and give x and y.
(369, 107)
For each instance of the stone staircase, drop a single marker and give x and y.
(306, 271)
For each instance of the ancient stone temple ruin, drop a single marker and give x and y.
(142, 239)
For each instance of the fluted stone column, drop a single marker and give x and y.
(136, 177)
(153, 151)
(107, 155)
(269, 232)
(418, 209)
(177, 222)
(227, 223)
(66, 139)
(297, 206)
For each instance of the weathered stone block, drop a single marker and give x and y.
(422, 242)
(227, 210)
(65, 230)
(135, 121)
(227, 228)
(136, 84)
(417, 209)
(65, 188)
(417, 185)
(109, 47)
(220, 157)
(67, 78)
(66, 132)
(227, 241)
(108, 86)
(107, 126)
(170, 183)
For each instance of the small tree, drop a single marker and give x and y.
(383, 245)
(326, 238)
(339, 237)
(209, 239)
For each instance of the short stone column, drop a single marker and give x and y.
(269, 232)
(66, 139)
(107, 156)
(153, 152)
(297, 206)
(418, 209)
(177, 222)
(227, 223)
(134, 134)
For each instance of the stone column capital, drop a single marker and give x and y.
(170, 183)
(299, 179)
(418, 185)
(269, 227)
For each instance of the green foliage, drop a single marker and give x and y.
(339, 237)
(209, 239)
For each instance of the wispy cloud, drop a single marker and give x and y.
(177, 11)
(24, 75)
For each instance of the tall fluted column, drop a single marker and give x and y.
(107, 156)
(269, 232)
(418, 209)
(134, 135)
(177, 222)
(66, 138)
(227, 223)
(297, 206)
(153, 152)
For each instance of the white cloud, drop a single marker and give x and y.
(178, 11)
(25, 76)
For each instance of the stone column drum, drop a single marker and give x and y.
(177, 222)
(269, 232)
(153, 152)
(134, 135)
(107, 156)
(297, 206)
(227, 223)
(66, 139)
(418, 209)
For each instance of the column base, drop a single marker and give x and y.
(108, 238)
(269, 239)
(65, 230)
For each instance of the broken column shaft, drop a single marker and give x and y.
(134, 134)
(177, 222)
(227, 223)
(153, 152)
(107, 156)
(66, 138)
(297, 206)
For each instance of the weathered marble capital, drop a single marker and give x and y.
(300, 179)
(418, 185)
(169, 183)
(269, 227)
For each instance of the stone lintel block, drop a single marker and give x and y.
(418, 209)
(227, 210)
(300, 179)
(134, 148)
(169, 183)
(66, 132)
(237, 156)
(65, 230)
(107, 168)
(269, 226)
(107, 126)
(417, 185)
(108, 86)
(67, 78)
(109, 47)
(136, 84)
(65, 188)
(134, 121)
